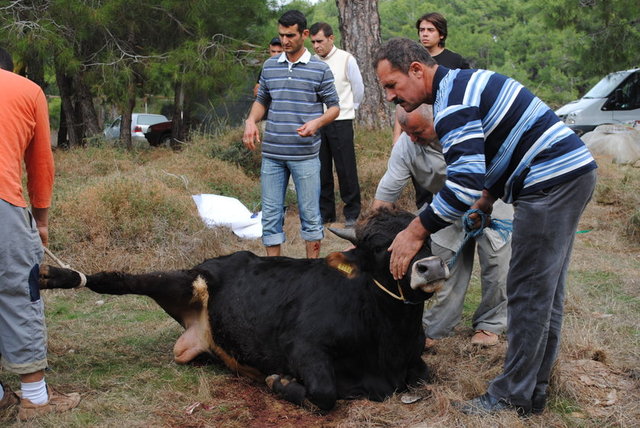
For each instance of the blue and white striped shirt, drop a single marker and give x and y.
(496, 135)
(294, 94)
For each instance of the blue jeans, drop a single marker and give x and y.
(274, 179)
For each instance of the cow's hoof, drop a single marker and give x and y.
(271, 380)
(275, 379)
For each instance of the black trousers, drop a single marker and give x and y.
(337, 148)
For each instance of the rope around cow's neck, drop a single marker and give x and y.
(504, 227)
(83, 278)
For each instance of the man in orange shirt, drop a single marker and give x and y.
(24, 138)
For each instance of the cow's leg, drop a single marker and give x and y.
(317, 373)
(53, 277)
(287, 388)
(418, 372)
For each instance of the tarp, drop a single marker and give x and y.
(217, 210)
(621, 142)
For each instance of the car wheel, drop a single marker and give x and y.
(165, 141)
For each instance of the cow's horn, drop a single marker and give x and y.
(349, 234)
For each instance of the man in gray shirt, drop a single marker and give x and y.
(417, 154)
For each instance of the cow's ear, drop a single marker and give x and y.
(344, 262)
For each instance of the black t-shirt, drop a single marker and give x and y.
(451, 59)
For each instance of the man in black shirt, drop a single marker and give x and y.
(432, 32)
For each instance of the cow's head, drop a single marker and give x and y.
(372, 237)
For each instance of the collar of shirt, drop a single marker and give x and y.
(333, 50)
(306, 56)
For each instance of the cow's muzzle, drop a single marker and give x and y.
(429, 274)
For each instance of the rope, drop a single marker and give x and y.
(83, 278)
(503, 227)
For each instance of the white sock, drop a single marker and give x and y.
(36, 392)
(1, 391)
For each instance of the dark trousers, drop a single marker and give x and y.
(337, 148)
(544, 227)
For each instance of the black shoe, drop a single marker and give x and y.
(487, 404)
(538, 403)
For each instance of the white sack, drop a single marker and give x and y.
(620, 142)
(217, 210)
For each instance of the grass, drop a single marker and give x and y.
(132, 211)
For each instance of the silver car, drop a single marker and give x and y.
(139, 124)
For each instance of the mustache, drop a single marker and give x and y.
(398, 100)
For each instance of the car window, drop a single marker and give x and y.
(147, 119)
(606, 86)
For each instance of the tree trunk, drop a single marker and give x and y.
(178, 128)
(360, 30)
(125, 124)
(65, 85)
(86, 109)
(63, 142)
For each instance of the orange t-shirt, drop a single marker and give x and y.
(24, 136)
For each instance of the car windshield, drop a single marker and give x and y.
(146, 119)
(604, 87)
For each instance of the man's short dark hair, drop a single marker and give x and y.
(438, 21)
(275, 42)
(326, 29)
(401, 52)
(6, 62)
(293, 17)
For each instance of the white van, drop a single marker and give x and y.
(614, 99)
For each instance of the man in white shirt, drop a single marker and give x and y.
(417, 154)
(337, 137)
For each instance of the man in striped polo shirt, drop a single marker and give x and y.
(293, 88)
(500, 141)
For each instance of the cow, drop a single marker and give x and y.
(316, 330)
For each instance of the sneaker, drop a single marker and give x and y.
(484, 338)
(9, 399)
(58, 402)
(488, 404)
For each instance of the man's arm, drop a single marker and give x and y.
(311, 127)
(355, 79)
(397, 174)
(329, 97)
(41, 216)
(251, 133)
(38, 159)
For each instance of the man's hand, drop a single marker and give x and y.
(484, 204)
(251, 135)
(309, 128)
(41, 216)
(405, 246)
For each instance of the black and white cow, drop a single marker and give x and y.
(315, 330)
